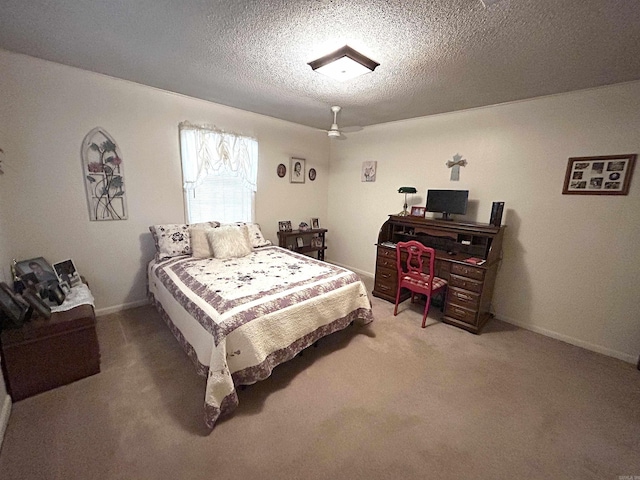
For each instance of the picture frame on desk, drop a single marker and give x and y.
(284, 226)
(14, 311)
(315, 223)
(299, 242)
(67, 273)
(418, 211)
(606, 175)
(39, 306)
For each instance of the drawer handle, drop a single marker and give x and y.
(463, 296)
(459, 312)
(383, 287)
(385, 275)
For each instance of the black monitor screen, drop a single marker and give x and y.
(447, 201)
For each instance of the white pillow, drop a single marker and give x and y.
(229, 241)
(200, 247)
(255, 235)
(174, 239)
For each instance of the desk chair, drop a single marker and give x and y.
(412, 277)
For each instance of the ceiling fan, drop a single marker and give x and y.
(335, 131)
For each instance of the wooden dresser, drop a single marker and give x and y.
(468, 299)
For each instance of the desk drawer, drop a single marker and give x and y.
(387, 253)
(387, 262)
(463, 298)
(385, 275)
(465, 283)
(462, 314)
(385, 288)
(467, 271)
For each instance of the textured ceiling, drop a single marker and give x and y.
(436, 55)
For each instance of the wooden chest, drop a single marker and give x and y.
(45, 354)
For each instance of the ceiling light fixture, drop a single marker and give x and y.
(344, 64)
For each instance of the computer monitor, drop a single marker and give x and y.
(447, 202)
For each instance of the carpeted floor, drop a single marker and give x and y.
(389, 401)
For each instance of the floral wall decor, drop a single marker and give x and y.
(103, 176)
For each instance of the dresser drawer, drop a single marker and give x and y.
(466, 283)
(467, 271)
(462, 314)
(463, 298)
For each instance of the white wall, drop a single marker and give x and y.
(571, 265)
(47, 109)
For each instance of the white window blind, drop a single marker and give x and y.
(220, 172)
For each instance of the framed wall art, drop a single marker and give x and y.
(103, 172)
(608, 175)
(297, 170)
(368, 172)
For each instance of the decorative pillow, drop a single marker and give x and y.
(229, 241)
(200, 247)
(174, 239)
(255, 235)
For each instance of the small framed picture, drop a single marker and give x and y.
(608, 175)
(67, 273)
(297, 170)
(368, 173)
(13, 309)
(282, 170)
(40, 306)
(418, 211)
(299, 242)
(312, 174)
(315, 223)
(39, 267)
(284, 226)
(316, 242)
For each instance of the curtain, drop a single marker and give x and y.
(209, 151)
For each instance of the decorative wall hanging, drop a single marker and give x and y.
(609, 175)
(282, 170)
(368, 173)
(103, 176)
(312, 174)
(297, 170)
(455, 165)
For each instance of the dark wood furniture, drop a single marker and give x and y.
(290, 240)
(468, 296)
(48, 353)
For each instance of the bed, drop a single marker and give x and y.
(238, 318)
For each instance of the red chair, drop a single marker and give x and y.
(412, 277)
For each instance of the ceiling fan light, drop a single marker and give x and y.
(333, 133)
(344, 64)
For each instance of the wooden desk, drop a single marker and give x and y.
(312, 241)
(468, 299)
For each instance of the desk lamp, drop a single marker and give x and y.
(405, 190)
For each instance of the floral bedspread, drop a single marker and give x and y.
(260, 311)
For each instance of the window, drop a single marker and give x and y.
(219, 172)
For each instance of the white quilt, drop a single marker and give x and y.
(239, 318)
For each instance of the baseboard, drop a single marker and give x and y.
(4, 416)
(361, 273)
(573, 341)
(121, 307)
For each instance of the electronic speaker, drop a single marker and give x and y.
(496, 213)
